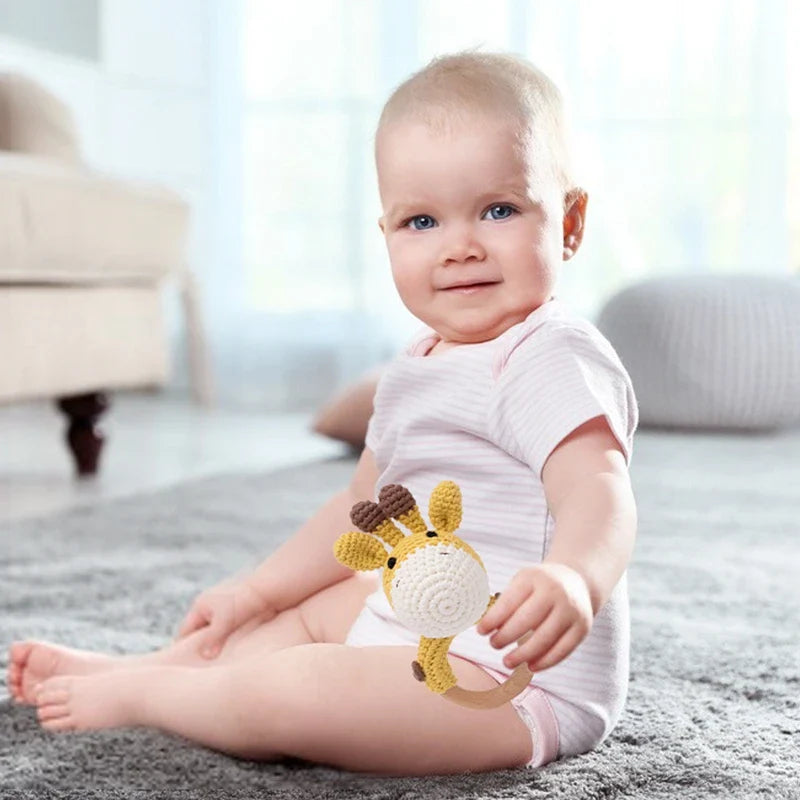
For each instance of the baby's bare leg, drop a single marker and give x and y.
(31, 662)
(327, 615)
(350, 707)
(203, 705)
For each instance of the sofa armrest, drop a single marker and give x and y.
(73, 224)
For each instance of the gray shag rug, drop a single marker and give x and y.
(713, 703)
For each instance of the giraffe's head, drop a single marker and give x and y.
(435, 582)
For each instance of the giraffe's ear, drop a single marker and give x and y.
(444, 508)
(359, 551)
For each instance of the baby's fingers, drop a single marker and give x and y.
(529, 616)
(544, 638)
(193, 621)
(508, 602)
(559, 651)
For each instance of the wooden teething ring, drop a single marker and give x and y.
(492, 698)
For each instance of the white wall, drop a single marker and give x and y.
(62, 27)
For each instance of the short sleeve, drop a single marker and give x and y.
(372, 436)
(376, 422)
(550, 384)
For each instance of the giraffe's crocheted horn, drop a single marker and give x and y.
(371, 518)
(399, 504)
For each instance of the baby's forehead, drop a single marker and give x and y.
(522, 138)
(501, 149)
(449, 125)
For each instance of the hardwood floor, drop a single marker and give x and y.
(153, 441)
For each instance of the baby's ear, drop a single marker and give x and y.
(359, 551)
(574, 221)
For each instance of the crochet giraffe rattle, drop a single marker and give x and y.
(435, 582)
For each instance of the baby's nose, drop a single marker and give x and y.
(462, 245)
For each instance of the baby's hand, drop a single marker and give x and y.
(221, 610)
(550, 599)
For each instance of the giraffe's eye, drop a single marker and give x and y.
(391, 562)
(431, 533)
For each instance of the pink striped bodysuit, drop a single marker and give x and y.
(487, 416)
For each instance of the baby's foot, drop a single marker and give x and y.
(30, 663)
(89, 702)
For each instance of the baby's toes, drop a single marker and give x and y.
(19, 653)
(14, 681)
(52, 692)
(59, 724)
(54, 710)
(58, 683)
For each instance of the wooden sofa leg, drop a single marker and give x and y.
(84, 437)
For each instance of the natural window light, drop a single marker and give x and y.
(685, 126)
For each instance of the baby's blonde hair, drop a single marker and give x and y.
(451, 88)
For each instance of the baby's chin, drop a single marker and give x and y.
(466, 331)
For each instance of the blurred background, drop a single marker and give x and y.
(261, 114)
(191, 270)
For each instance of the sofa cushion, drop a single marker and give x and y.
(72, 339)
(34, 121)
(710, 351)
(67, 224)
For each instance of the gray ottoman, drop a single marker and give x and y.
(710, 351)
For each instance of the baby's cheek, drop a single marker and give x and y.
(410, 278)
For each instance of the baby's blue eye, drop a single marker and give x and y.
(425, 222)
(504, 211)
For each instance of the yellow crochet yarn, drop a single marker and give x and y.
(435, 582)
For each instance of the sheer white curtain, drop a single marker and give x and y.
(684, 120)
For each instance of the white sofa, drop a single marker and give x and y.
(83, 261)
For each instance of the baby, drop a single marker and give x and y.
(523, 404)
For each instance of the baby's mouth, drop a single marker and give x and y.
(470, 287)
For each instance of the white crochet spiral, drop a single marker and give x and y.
(439, 590)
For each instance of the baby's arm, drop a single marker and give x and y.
(305, 563)
(589, 495)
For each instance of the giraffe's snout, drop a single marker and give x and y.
(439, 597)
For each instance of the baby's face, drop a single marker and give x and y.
(473, 227)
